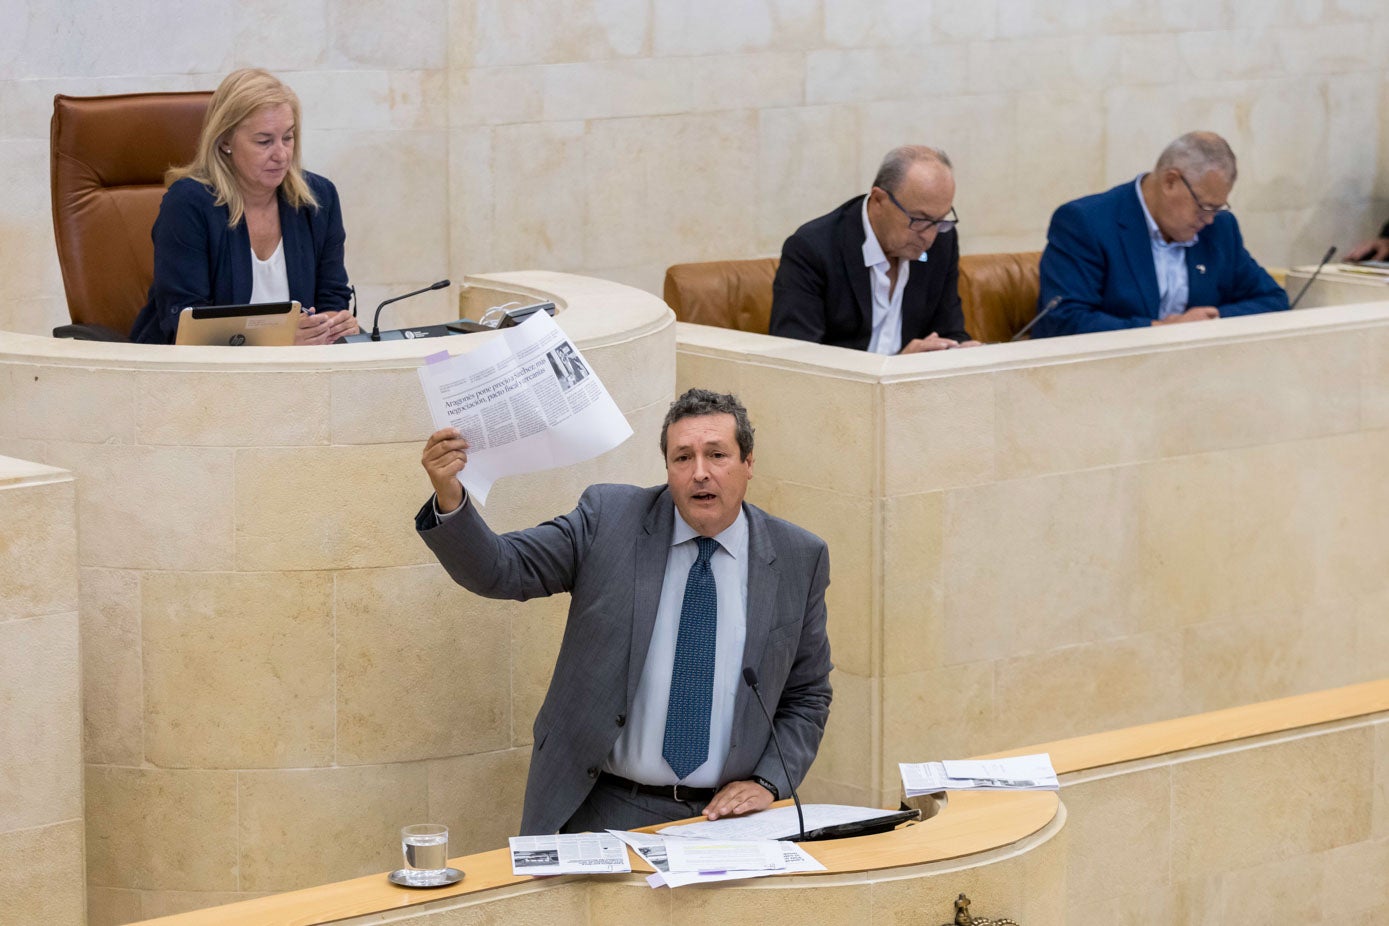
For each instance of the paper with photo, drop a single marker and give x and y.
(568, 854)
(526, 400)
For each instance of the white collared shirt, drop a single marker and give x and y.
(1169, 261)
(887, 300)
(637, 753)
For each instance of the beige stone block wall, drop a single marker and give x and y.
(1045, 540)
(1275, 829)
(276, 674)
(41, 851)
(623, 136)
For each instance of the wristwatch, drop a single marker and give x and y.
(776, 796)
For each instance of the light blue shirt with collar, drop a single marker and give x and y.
(1169, 260)
(637, 753)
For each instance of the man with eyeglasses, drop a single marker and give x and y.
(880, 272)
(1160, 250)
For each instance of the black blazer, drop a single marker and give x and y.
(823, 292)
(198, 260)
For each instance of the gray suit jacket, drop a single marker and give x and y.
(610, 553)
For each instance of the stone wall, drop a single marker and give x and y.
(616, 137)
(1046, 539)
(277, 674)
(40, 699)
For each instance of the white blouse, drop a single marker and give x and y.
(269, 279)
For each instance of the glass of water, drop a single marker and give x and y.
(426, 850)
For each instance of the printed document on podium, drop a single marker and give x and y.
(525, 401)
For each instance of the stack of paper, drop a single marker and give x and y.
(1020, 773)
(679, 860)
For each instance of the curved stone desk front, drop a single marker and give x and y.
(277, 675)
(992, 845)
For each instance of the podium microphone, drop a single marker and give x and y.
(1330, 253)
(376, 321)
(750, 676)
(1055, 301)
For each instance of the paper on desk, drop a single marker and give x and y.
(1020, 773)
(776, 823)
(567, 854)
(526, 401)
(715, 856)
(653, 850)
(794, 859)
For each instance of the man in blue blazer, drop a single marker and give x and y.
(1161, 249)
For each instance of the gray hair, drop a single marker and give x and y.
(899, 160)
(697, 402)
(1196, 154)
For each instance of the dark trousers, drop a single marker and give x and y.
(613, 807)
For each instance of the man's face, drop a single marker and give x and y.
(927, 191)
(706, 477)
(1185, 205)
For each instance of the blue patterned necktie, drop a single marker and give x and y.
(686, 744)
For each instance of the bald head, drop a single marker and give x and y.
(1196, 154)
(899, 161)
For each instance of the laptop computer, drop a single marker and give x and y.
(268, 324)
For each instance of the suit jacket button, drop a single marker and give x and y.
(593, 772)
(622, 720)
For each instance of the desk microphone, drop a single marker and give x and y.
(1055, 301)
(1330, 252)
(750, 676)
(376, 321)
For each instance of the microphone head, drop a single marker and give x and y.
(750, 676)
(1330, 253)
(440, 285)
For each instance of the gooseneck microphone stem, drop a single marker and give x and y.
(1055, 301)
(1330, 252)
(750, 677)
(376, 320)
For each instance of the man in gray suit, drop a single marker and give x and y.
(647, 719)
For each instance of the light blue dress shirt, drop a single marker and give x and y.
(1169, 260)
(637, 753)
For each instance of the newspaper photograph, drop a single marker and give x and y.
(525, 401)
(568, 854)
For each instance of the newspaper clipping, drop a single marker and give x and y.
(526, 401)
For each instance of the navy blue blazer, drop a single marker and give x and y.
(822, 292)
(1098, 267)
(198, 260)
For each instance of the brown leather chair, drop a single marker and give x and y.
(107, 160)
(998, 292)
(723, 293)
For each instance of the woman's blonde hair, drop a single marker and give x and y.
(239, 95)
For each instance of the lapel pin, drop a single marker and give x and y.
(1200, 268)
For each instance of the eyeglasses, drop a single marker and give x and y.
(1205, 209)
(921, 222)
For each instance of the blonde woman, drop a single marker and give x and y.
(244, 223)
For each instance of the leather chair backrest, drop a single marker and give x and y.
(107, 161)
(723, 293)
(998, 292)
